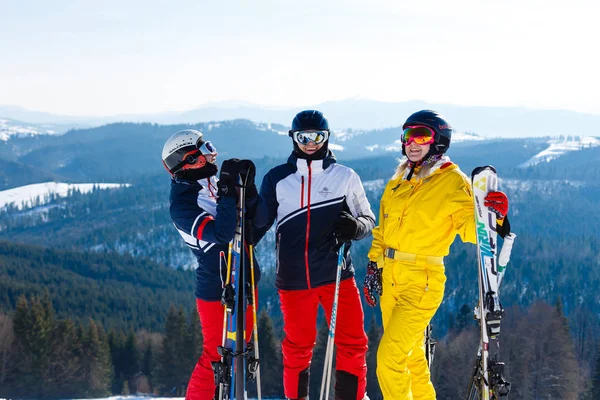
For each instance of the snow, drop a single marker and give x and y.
(7, 130)
(458, 137)
(336, 147)
(560, 146)
(374, 185)
(40, 193)
(10, 128)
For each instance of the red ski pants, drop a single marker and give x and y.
(300, 319)
(202, 382)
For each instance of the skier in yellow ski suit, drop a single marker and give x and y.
(423, 207)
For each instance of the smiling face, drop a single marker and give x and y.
(311, 147)
(416, 152)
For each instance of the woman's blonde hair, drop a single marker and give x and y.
(420, 172)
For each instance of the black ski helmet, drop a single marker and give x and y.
(310, 120)
(434, 120)
(183, 148)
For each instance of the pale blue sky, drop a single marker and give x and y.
(110, 57)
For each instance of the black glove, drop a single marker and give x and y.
(345, 228)
(373, 283)
(248, 174)
(228, 178)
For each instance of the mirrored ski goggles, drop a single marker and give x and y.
(305, 137)
(207, 148)
(197, 157)
(420, 134)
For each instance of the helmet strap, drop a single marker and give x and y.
(196, 174)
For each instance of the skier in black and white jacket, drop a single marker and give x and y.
(317, 204)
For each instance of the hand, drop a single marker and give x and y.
(248, 172)
(230, 169)
(373, 283)
(345, 228)
(497, 202)
(248, 175)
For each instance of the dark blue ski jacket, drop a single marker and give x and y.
(207, 227)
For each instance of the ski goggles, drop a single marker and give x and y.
(196, 158)
(420, 134)
(305, 137)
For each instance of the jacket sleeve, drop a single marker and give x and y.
(378, 245)
(266, 207)
(191, 219)
(462, 211)
(359, 206)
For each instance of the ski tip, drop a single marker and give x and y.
(482, 168)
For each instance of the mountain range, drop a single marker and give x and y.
(354, 114)
(552, 183)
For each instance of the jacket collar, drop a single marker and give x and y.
(316, 166)
(435, 168)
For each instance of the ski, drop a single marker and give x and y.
(231, 371)
(487, 380)
(429, 345)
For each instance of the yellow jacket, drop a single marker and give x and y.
(423, 216)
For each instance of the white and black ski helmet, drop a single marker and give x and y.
(181, 146)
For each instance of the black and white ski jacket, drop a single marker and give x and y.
(306, 198)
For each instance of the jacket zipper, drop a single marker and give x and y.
(277, 246)
(302, 192)
(307, 224)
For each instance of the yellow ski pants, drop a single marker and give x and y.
(413, 289)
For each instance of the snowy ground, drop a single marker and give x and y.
(40, 193)
(560, 146)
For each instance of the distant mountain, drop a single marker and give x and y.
(360, 114)
(39, 194)
(12, 128)
(119, 153)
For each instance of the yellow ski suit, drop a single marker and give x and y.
(418, 221)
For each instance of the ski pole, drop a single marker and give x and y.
(330, 339)
(225, 309)
(255, 327)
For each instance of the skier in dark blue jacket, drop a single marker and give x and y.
(203, 210)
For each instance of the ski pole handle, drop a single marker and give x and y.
(504, 256)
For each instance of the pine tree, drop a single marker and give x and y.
(193, 341)
(595, 389)
(33, 325)
(130, 360)
(271, 366)
(374, 335)
(8, 354)
(171, 374)
(98, 369)
(116, 343)
(464, 317)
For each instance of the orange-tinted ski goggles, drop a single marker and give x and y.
(420, 134)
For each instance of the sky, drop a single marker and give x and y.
(102, 58)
